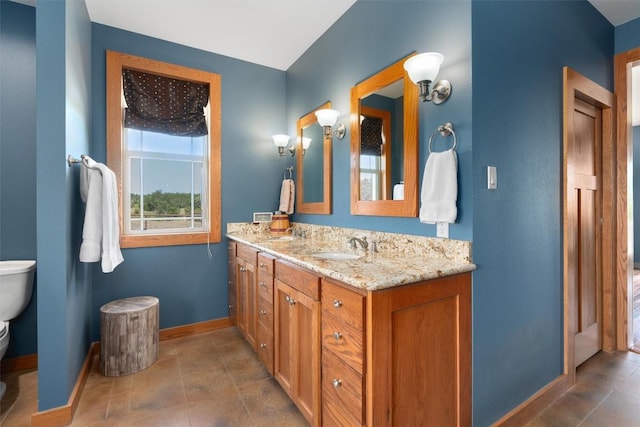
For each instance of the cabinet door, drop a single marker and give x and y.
(284, 335)
(297, 348)
(247, 305)
(419, 363)
(232, 289)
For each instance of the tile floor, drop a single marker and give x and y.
(212, 379)
(215, 379)
(606, 394)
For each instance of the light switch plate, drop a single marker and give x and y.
(442, 229)
(492, 178)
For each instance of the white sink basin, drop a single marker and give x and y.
(336, 255)
(286, 238)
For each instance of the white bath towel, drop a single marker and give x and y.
(287, 196)
(101, 231)
(439, 188)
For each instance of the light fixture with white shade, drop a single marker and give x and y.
(423, 70)
(305, 144)
(327, 119)
(281, 141)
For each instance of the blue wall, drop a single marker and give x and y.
(191, 287)
(63, 73)
(367, 38)
(18, 155)
(519, 49)
(627, 36)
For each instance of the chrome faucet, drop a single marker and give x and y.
(363, 242)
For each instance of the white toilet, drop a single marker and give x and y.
(16, 285)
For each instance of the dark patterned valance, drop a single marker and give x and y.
(371, 136)
(161, 104)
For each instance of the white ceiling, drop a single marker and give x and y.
(618, 11)
(274, 33)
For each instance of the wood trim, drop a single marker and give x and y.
(624, 184)
(116, 61)
(20, 363)
(323, 207)
(194, 328)
(63, 415)
(531, 407)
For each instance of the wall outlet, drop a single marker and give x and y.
(442, 229)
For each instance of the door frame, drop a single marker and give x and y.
(576, 85)
(624, 193)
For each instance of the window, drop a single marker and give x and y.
(167, 160)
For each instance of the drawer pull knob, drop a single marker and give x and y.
(263, 312)
(290, 300)
(231, 306)
(242, 269)
(336, 382)
(262, 284)
(230, 283)
(263, 345)
(337, 336)
(263, 265)
(337, 303)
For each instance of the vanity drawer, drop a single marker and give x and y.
(265, 288)
(344, 340)
(265, 264)
(264, 346)
(265, 312)
(342, 392)
(247, 253)
(298, 278)
(343, 303)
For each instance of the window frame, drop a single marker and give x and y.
(116, 61)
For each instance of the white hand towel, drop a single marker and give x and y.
(439, 188)
(287, 196)
(101, 231)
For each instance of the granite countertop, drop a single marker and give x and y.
(392, 265)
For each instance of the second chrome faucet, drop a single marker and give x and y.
(363, 242)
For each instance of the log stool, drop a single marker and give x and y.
(128, 335)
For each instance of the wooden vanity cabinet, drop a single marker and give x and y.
(246, 263)
(264, 332)
(419, 354)
(233, 292)
(297, 337)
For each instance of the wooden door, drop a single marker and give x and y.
(585, 213)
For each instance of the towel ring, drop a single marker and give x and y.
(445, 129)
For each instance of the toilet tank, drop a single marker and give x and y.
(16, 286)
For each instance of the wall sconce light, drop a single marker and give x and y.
(327, 119)
(305, 144)
(281, 142)
(423, 69)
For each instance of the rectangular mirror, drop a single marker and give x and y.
(314, 166)
(384, 144)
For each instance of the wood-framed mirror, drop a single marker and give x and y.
(384, 144)
(314, 166)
